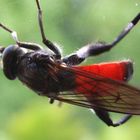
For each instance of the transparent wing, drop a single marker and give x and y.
(98, 92)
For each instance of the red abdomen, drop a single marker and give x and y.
(120, 71)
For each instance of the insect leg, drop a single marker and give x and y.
(26, 45)
(1, 50)
(73, 59)
(47, 42)
(126, 30)
(104, 116)
(1, 61)
(122, 120)
(98, 48)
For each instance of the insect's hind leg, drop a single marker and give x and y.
(94, 49)
(104, 116)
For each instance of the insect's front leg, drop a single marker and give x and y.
(27, 45)
(98, 48)
(47, 42)
(1, 62)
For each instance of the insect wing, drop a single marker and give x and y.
(98, 92)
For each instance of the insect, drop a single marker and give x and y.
(101, 87)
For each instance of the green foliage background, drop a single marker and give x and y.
(72, 24)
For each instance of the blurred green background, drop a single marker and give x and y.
(72, 24)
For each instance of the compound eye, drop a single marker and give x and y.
(9, 61)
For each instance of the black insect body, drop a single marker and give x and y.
(101, 87)
(33, 71)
